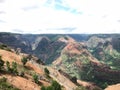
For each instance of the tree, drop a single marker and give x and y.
(56, 85)
(35, 78)
(50, 88)
(46, 71)
(74, 79)
(40, 61)
(43, 88)
(8, 66)
(24, 61)
(1, 63)
(14, 67)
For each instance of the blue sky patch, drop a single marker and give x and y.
(60, 7)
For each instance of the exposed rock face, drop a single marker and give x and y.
(73, 57)
(77, 61)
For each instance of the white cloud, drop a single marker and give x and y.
(98, 16)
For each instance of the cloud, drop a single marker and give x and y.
(118, 21)
(1, 21)
(2, 12)
(63, 30)
(17, 31)
(60, 16)
(30, 8)
(1, 1)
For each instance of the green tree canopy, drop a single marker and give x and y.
(1, 63)
(24, 60)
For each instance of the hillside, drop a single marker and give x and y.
(80, 61)
(84, 61)
(21, 82)
(21, 77)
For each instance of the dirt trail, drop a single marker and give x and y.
(61, 79)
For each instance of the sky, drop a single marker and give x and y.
(60, 16)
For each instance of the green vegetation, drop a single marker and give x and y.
(46, 71)
(66, 38)
(4, 47)
(4, 85)
(111, 58)
(101, 84)
(1, 63)
(84, 71)
(43, 88)
(35, 78)
(24, 61)
(40, 61)
(80, 88)
(12, 68)
(8, 66)
(47, 74)
(54, 86)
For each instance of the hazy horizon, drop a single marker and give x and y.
(60, 16)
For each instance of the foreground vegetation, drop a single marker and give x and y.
(4, 85)
(54, 86)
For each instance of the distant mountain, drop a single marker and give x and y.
(106, 50)
(47, 47)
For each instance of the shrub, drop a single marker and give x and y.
(14, 68)
(8, 66)
(47, 88)
(24, 60)
(43, 88)
(4, 85)
(1, 63)
(74, 79)
(50, 88)
(46, 71)
(35, 78)
(3, 79)
(54, 86)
